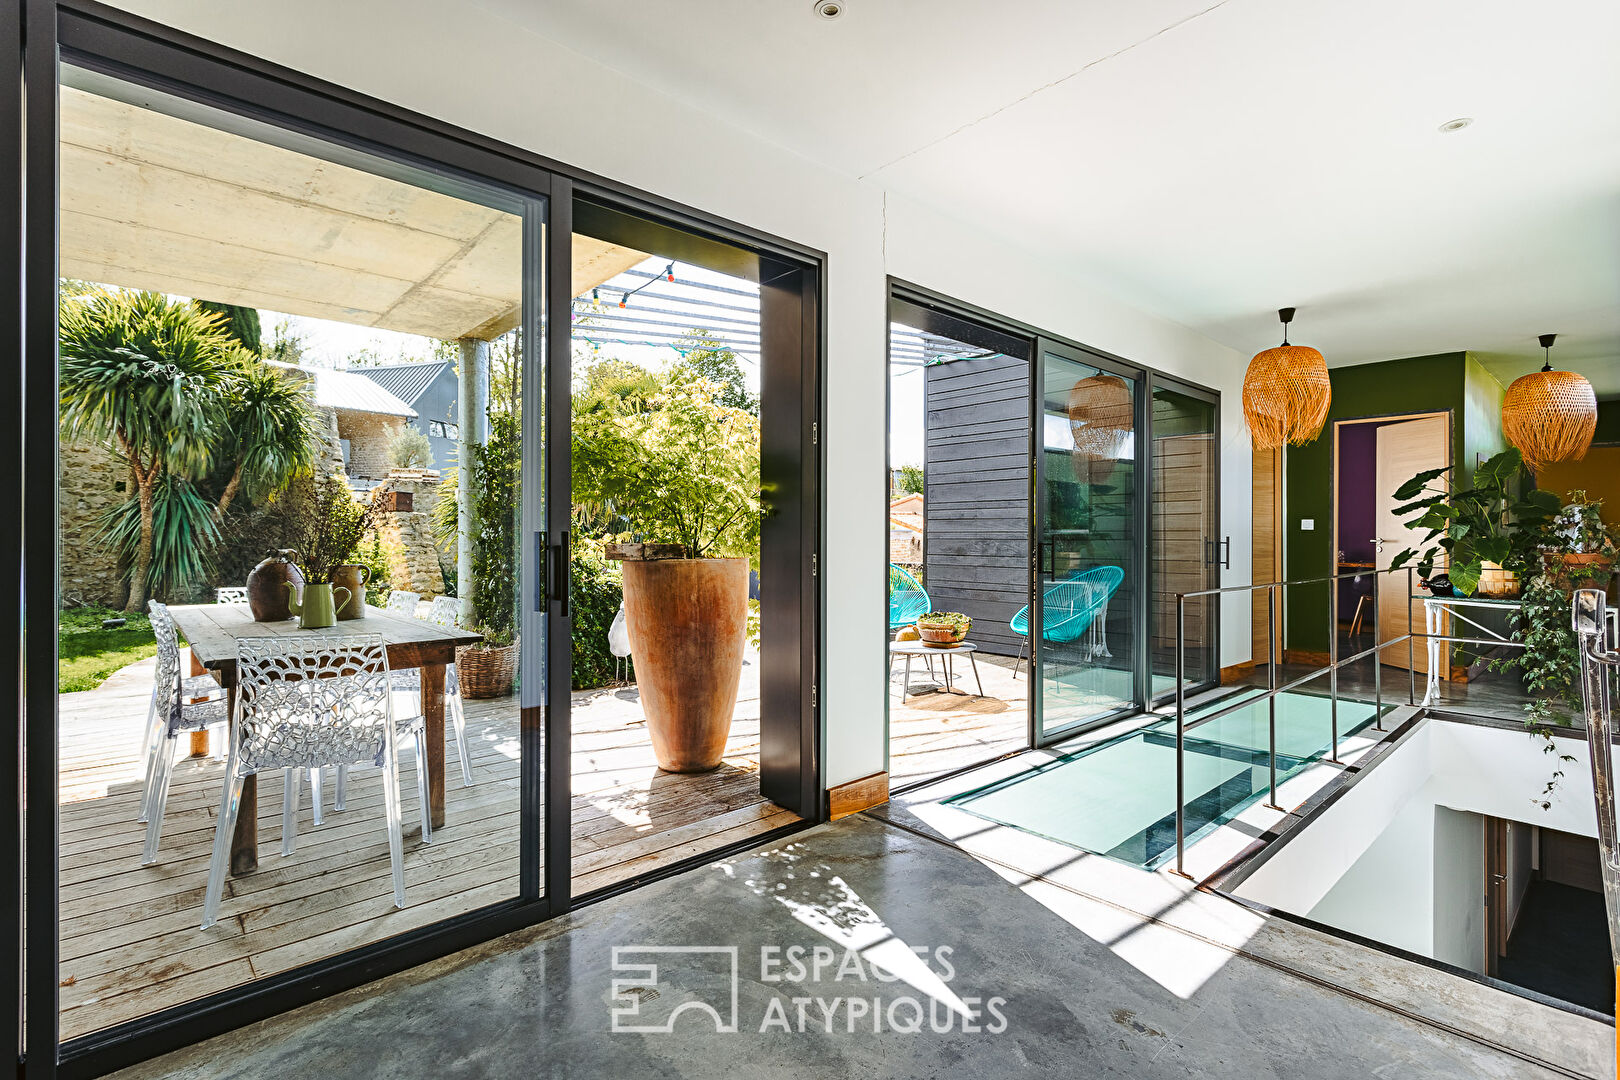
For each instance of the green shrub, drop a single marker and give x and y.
(595, 591)
(380, 582)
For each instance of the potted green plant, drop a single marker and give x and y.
(1578, 547)
(684, 473)
(332, 527)
(488, 669)
(1483, 532)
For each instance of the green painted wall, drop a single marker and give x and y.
(1391, 388)
(1608, 424)
(1482, 416)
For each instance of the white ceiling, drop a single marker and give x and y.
(1210, 160)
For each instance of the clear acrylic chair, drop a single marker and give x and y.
(443, 612)
(174, 710)
(404, 603)
(231, 594)
(304, 703)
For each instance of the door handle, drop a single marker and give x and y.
(559, 556)
(1226, 559)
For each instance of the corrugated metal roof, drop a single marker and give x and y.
(347, 390)
(408, 382)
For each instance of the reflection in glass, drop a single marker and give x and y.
(1186, 547)
(1089, 572)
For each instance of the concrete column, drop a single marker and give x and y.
(472, 420)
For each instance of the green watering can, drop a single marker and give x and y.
(317, 607)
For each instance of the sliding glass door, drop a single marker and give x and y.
(1090, 532)
(1187, 550)
(271, 342)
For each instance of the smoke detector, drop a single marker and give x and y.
(828, 9)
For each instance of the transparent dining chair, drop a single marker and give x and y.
(304, 703)
(401, 602)
(443, 612)
(174, 710)
(231, 594)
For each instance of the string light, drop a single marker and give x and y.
(669, 275)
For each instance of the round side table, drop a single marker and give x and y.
(909, 649)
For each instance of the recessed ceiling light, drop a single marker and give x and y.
(1457, 124)
(828, 9)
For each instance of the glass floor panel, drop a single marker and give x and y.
(1119, 798)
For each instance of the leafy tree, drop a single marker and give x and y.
(144, 375)
(241, 323)
(410, 449)
(910, 479)
(615, 387)
(269, 432)
(494, 588)
(706, 358)
(686, 471)
(183, 534)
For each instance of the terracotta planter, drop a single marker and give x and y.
(687, 619)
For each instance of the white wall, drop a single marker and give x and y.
(460, 64)
(1459, 889)
(1400, 858)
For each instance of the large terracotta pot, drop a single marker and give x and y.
(687, 620)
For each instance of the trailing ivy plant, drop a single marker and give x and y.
(1548, 663)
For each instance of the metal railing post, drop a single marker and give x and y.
(1378, 663)
(1411, 652)
(1333, 668)
(1181, 735)
(1271, 687)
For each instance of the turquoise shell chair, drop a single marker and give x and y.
(1070, 607)
(907, 598)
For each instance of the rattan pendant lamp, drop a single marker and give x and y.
(1549, 415)
(1286, 393)
(1101, 415)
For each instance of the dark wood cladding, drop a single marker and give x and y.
(977, 467)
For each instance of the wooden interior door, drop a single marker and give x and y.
(1266, 565)
(1404, 450)
(1498, 916)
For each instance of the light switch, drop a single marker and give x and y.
(1307, 524)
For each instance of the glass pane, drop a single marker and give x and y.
(1186, 544)
(666, 711)
(1089, 562)
(959, 541)
(270, 343)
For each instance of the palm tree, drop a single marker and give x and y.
(269, 432)
(145, 375)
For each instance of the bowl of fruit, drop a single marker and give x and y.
(943, 629)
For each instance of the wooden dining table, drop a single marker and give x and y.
(212, 630)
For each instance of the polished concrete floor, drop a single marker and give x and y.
(1012, 984)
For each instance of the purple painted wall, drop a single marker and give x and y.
(1358, 504)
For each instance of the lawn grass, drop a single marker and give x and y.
(87, 654)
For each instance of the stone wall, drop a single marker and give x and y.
(369, 435)
(408, 536)
(92, 480)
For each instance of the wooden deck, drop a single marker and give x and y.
(129, 935)
(935, 733)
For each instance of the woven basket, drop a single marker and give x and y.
(1286, 394)
(486, 671)
(1550, 416)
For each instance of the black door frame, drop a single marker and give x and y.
(103, 39)
(1147, 377)
(1141, 519)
